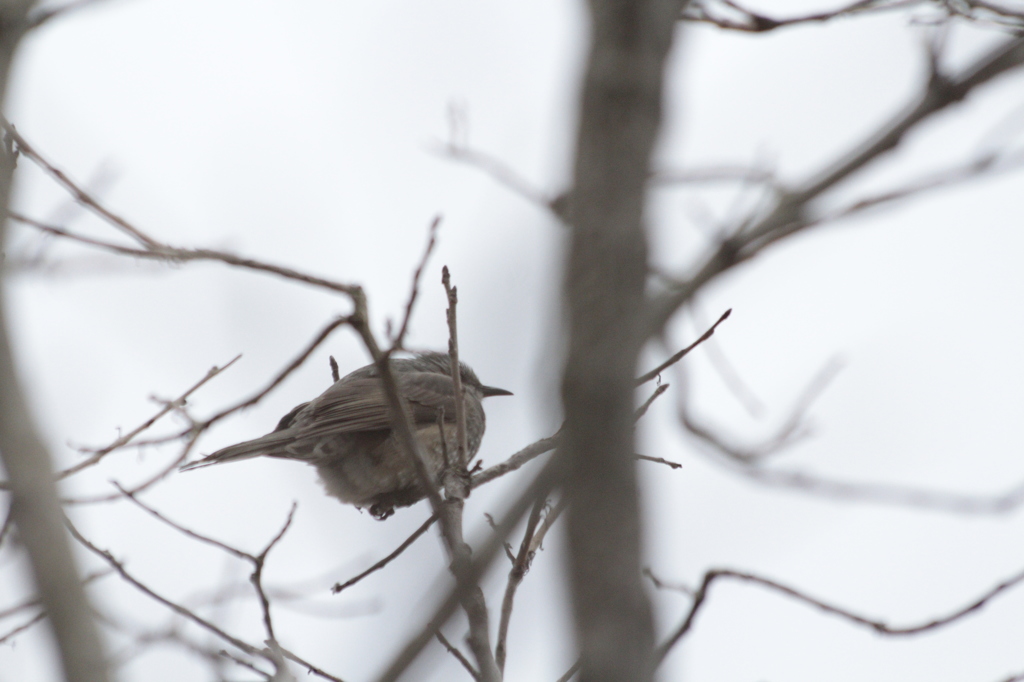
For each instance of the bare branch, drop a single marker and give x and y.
(257, 581)
(498, 171)
(520, 565)
(660, 460)
(541, 485)
(338, 587)
(545, 525)
(283, 374)
(38, 618)
(257, 561)
(972, 170)
(462, 456)
(459, 656)
(984, 12)
(457, 487)
(700, 596)
(100, 453)
(195, 429)
(36, 601)
(884, 493)
(644, 378)
(792, 429)
(177, 608)
(789, 215)
(399, 340)
(728, 373)
(468, 591)
(401, 422)
(728, 15)
(171, 254)
(309, 666)
(698, 176)
(642, 410)
(163, 473)
(665, 585)
(79, 194)
(516, 460)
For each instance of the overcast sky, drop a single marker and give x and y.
(306, 133)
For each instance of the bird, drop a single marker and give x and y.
(346, 432)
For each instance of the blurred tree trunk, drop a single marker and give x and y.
(604, 295)
(35, 508)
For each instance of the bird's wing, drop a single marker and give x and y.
(287, 420)
(351, 405)
(360, 404)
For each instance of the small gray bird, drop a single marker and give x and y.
(346, 432)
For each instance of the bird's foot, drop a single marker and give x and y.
(382, 510)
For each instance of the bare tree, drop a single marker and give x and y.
(617, 305)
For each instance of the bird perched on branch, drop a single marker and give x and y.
(346, 432)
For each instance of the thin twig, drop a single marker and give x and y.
(462, 455)
(459, 656)
(196, 429)
(883, 493)
(713, 175)
(642, 410)
(540, 486)
(972, 170)
(520, 565)
(753, 22)
(100, 453)
(283, 374)
(338, 587)
(79, 194)
(177, 608)
(789, 216)
(401, 421)
(700, 596)
(257, 561)
(660, 460)
(545, 525)
(36, 601)
(516, 460)
(257, 580)
(457, 488)
(171, 254)
(666, 585)
(644, 378)
(166, 471)
(727, 372)
(791, 430)
(24, 626)
(399, 340)
(309, 666)
(401, 425)
(498, 171)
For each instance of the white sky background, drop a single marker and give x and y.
(301, 133)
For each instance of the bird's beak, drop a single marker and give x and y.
(489, 391)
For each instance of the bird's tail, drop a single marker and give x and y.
(264, 445)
